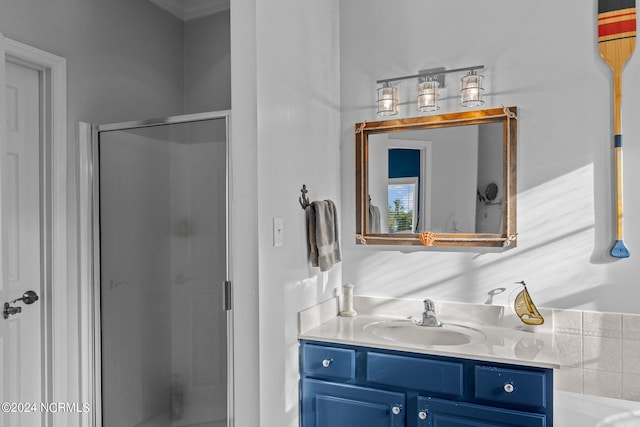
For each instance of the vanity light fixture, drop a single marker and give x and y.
(471, 90)
(387, 100)
(428, 83)
(428, 95)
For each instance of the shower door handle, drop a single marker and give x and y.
(28, 297)
(227, 295)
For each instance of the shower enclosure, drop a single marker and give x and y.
(161, 272)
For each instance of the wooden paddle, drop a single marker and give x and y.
(617, 40)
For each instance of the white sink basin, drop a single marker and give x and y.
(408, 332)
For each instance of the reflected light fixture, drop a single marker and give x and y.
(387, 100)
(428, 95)
(429, 81)
(471, 90)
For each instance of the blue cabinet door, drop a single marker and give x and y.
(445, 413)
(327, 404)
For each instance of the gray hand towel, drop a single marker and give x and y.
(312, 246)
(322, 227)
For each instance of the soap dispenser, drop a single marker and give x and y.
(347, 301)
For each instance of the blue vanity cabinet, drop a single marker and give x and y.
(348, 386)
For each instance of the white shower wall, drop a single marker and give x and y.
(164, 262)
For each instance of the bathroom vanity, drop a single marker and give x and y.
(351, 385)
(373, 370)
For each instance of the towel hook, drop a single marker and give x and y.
(304, 200)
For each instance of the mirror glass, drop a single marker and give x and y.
(451, 176)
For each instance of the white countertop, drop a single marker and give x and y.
(501, 345)
(506, 342)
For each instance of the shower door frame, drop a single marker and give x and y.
(89, 256)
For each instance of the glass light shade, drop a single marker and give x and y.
(428, 96)
(472, 90)
(387, 100)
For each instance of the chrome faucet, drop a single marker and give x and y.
(429, 317)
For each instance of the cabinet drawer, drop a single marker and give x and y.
(329, 361)
(511, 386)
(415, 373)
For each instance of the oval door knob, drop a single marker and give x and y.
(422, 415)
(396, 410)
(326, 363)
(508, 387)
(28, 297)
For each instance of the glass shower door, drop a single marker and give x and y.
(163, 265)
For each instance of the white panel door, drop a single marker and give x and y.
(21, 260)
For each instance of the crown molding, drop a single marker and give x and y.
(198, 8)
(175, 7)
(187, 10)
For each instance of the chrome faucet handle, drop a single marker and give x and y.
(429, 305)
(429, 317)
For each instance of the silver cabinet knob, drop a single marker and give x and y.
(422, 415)
(396, 410)
(508, 387)
(326, 363)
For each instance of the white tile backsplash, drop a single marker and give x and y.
(631, 357)
(603, 354)
(601, 383)
(631, 327)
(599, 353)
(567, 321)
(568, 379)
(569, 348)
(631, 387)
(599, 324)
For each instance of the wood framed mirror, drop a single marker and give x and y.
(443, 180)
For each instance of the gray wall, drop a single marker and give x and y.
(128, 60)
(207, 63)
(124, 58)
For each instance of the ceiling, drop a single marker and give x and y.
(192, 9)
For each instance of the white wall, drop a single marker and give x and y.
(244, 210)
(542, 57)
(454, 171)
(286, 122)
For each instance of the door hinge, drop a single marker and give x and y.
(227, 295)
